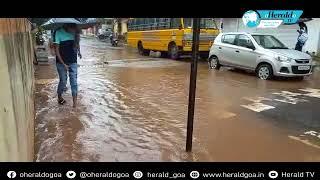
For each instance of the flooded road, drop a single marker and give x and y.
(134, 108)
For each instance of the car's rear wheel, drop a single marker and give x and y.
(141, 50)
(214, 63)
(265, 72)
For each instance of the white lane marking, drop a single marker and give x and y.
(288, 93)
(311, 92)
(304, 141)
(258, 107)
(313, 133)
(289, 97)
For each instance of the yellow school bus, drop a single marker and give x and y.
(171, 36)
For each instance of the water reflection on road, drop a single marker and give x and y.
(133, 108)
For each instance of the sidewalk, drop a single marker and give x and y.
(45, 73)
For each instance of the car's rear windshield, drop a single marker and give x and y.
(269, 42)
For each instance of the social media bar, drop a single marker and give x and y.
(163, 175)
(164, 170)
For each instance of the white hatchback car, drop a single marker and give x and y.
(263, 54)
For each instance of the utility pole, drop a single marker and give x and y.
(193, 81)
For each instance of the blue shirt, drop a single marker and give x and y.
(62, 35)
(66, 42)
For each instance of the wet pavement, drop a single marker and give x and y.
(134, 108)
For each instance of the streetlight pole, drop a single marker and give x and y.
(193, 81)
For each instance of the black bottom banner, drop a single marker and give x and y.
(163, 170)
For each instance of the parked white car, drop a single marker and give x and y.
(263, 54)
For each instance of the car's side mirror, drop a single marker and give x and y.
(251, 47)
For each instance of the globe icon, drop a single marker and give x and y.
(251, 19)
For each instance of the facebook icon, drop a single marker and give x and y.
(11, 174)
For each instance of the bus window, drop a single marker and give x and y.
(133, 24)
(130, 24)
(167, 23)
(153, 23)
(156, 21)
(205, 23)
(175, 23)
(187, 22)
(208, 23)
(163, 23)
(137, 24)
(143, 23)
(148, 23)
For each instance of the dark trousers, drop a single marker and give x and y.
(299, 46)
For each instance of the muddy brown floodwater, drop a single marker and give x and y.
(134, 108)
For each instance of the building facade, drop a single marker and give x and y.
(17, 90)
(120, 26)
(107, 24)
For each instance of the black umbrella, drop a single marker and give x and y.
(55, 23)
(90, 22)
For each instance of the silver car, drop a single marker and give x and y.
(263, 54)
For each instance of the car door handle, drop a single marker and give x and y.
(220, 47)
(238, 51)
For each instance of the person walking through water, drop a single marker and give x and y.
(66, 60)
(302, 37)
